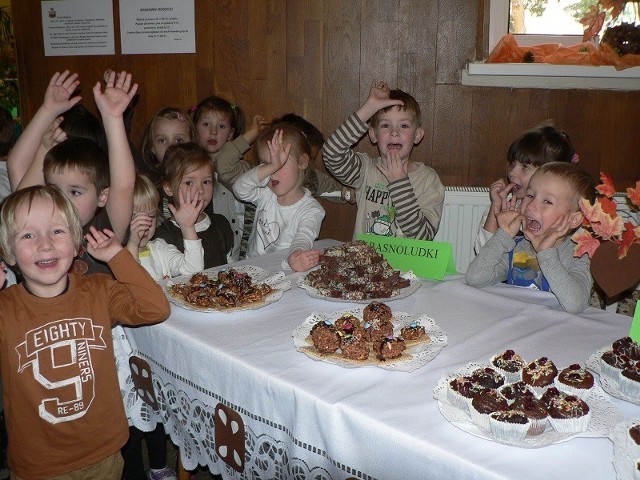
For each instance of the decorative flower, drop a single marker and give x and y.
(602, 222)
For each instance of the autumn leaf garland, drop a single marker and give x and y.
(602, 222)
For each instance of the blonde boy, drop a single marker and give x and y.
(395, 196)
(55, 339)
(543, 258)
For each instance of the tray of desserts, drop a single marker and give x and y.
(354, 272)
(370, 336)
(618, 365)
(525, 404)
(626, 449)
(227, 289)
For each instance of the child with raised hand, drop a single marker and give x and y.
(395, 196)
(161, 260)
(100, 186)
(220, 128)
(61, 323)
(543, 258)
(287, 217)
(526, 154)
(187, 177)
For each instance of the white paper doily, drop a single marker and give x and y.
(624, 460)
(604, 416)
(277, 281)
(415, 356)
(404, 292)
(609, 383)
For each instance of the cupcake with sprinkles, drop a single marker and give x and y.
(509, 425)
(462, 390)
(510, 364)
(575, 380)
(540, 374)
(568, 413)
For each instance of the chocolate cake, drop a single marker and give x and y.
(355, 271)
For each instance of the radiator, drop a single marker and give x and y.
(461, 214)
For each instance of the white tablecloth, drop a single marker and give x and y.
(310, 419)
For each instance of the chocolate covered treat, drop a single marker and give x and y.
(413, 331)
(325, 337)
(540, 373)
(390, 348)
(509, 425)
(535, 410)
(510, 364)
(515, 391)
(488, 377)
(354, 346)
(568, 413)
(347, 323)
(376, 311)
(627, 346)
(574, 379)
(377, 330)
(629, 381)
(485, 403)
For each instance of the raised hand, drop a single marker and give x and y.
(257, 125)
(117, 95)
(393, 167)
(378, 98)
(191, 205)
(141, 222)
(510, 221)
(58, 97)
(555, 232)
(54, 135)
(302, 260)
(278, 151)
(102, 245)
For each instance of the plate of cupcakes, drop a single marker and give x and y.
(626, 449)
(525, 404)
(618, 365)
(370, 336)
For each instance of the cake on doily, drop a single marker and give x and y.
(355, 271)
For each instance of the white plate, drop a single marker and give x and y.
(624, 459)
(604, 416)
(413, 287)
(610, 384)
(277, 281)
(415, 356)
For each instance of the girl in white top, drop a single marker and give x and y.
(161, 259)
(287, 216)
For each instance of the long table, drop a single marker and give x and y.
(236, 396)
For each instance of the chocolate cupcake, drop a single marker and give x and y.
(510, 364)
(535, 410)
(325, 337)
(568, 413)
(461, 391)
(611, 363)
(488, 377)
(539, 374)
(515, 391)
(629, 381)
(628, 347)
(575, 380)
(390, 348)
(484, 404)
(377, 311)
(509, 425)
(354, 346)
(633, 440)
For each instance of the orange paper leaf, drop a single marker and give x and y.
(627, 238)
(593, 22)
(585, 243)
(606, 188)
(609, 206)
(634, 194)
(606, 227)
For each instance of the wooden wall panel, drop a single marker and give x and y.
(319, 57)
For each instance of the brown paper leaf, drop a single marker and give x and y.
(615, 275)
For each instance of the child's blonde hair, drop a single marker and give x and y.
(170, 113)
(410, 105)
(181, 159)
(290, 134)
(145, 193)
(580, 181)
(26, 196)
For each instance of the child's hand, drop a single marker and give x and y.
(257, 125)
(102, 245)
(117, 95)
(510, 221)
(141, 222)
(57, 98)
(393, 167)
(278, 151)
(54, 135)
(191, 205)
(499, 191)
(555, 232)
(379, 96)
(301, 260)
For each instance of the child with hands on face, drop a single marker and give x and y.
(526, 154)
(542, 258)
(287, 216)
(395, 196)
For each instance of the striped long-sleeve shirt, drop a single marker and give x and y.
(409, 207)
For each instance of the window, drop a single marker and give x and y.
(545, 21)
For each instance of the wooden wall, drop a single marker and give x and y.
(319, 57)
